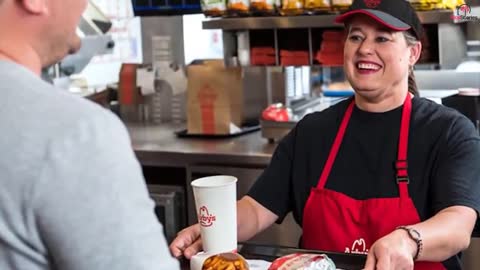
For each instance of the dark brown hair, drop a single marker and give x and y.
(412, 84)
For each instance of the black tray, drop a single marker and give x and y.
(243, 130)
(270, 253)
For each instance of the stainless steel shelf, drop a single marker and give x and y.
(314, 21)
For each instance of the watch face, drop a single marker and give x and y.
(414, 234)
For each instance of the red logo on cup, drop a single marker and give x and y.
(372, 3)
(205, 218)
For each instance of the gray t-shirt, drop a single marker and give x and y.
(72, 193)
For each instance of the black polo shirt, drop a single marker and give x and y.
(443, 160)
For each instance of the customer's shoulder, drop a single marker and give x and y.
(80, 119)
(39, 105)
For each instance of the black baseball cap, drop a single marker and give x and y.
(397, 15)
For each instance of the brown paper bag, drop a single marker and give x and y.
(215, 98)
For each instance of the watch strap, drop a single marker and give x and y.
(415, 236)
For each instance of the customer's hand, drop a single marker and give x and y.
(393, 251)
(187, 243)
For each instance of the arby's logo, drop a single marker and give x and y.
(372, 3)
(205, 218)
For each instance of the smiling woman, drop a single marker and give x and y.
(384, 173)
(56, 207)
(411, 41)
(377, 60)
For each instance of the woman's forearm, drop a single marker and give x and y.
(446, 233)
(252, 218)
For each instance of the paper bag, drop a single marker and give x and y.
(215, 98)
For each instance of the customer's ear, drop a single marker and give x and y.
(37, 7)
(415, 51)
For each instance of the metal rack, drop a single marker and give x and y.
(304, 33)
(313, 21)
(448, 37)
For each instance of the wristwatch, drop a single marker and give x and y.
(415, 236)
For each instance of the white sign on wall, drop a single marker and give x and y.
(126, 33)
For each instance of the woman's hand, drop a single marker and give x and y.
(252, 218)
(394, 251)
(187, 243)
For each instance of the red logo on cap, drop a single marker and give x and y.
(372, 3)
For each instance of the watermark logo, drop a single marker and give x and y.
(463, 13)
(206, 219)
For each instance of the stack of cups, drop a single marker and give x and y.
(216, 207)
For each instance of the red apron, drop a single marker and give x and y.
(335, 222)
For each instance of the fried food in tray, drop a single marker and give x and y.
(225, 261)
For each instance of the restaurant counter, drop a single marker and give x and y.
(160, 146)
(168, 160)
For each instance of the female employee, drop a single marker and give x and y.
(385, 173)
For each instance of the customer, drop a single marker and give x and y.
(72, 193)
(385, 173)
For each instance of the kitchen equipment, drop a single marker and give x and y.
(169, 208)
(94, 25)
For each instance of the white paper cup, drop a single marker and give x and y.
(216, 207)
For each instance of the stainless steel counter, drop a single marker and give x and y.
(159, 146)
(244, 157)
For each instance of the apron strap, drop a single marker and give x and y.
(336, 145)
(401, 165)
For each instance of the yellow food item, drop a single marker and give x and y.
(237, 6)
(225, 261)
(261, 5)
(292, 7)
(341, 5)
(425, 5)
(317, 4)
